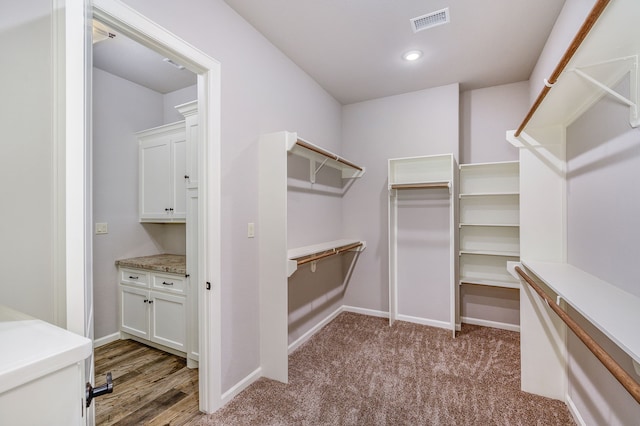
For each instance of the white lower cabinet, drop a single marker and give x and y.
(153, 307)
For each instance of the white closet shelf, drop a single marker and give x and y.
(508, 225)
(491, 253)
(593, 298)
(301, 255)
(314, 153)
(603, 55)
(490, 283)
(488, 194)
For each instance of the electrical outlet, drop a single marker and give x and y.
(101, 228)
(251, 230)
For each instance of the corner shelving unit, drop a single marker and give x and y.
(489, 223)
(604, 51)
(415, 173)
(278, 261)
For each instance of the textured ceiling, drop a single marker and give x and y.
(353, 48)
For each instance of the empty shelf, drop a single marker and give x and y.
(615, 312)
(313, 152)
(490, 283)
(421, 185)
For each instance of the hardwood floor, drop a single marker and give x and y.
(151, 387)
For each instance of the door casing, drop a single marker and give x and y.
(77, 166)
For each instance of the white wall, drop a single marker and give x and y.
(28, 217)
(603, 169)
(178, 97)
(567, 24)
(262, 91)
(485, 115)
(417, 123)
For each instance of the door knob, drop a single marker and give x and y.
(92, 392)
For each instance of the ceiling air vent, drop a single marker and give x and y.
(430, 20)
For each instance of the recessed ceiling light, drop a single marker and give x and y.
(412, 55)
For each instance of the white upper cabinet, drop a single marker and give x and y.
(162, 170)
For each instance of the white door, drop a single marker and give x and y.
(74, 74)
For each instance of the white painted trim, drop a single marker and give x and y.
(106, 340)
(365, 311)
(306, 336)
(425, 321)
(574, 411)
(241, 385)
(139, 28)
(492, 324)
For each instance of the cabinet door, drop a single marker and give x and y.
(179, 173)
(134, 311)
(155, 194)
(169, 320)
(192, 150)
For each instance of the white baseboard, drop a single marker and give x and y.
(365, 311)
(306, 336)
(241, 385)
(424, 321)
(106, 339)
(574, 411)
(492, 324)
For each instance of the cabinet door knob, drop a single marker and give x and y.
(186, 176)
(150, 301)
(131, 277)
(166, 283)
(145, 301)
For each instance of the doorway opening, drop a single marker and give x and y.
(130, 24)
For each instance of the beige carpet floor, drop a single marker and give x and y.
(359, 371)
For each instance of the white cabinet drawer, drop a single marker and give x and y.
(134, 277)
(168, 282)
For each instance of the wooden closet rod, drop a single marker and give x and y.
(420, 185)
(593, 16)
(614, 368)
(327, 154)
(331, 252)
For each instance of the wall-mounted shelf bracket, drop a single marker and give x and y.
(632, 69)
(313, 170)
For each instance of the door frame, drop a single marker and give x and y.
(134, 25)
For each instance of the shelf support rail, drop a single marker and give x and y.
(331, 252)
(610, 364)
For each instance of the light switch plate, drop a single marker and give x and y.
(251, 230)
(101, 228)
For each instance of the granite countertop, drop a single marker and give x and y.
(172, 263)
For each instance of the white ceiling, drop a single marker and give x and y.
(353, 48)
(132, 61)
